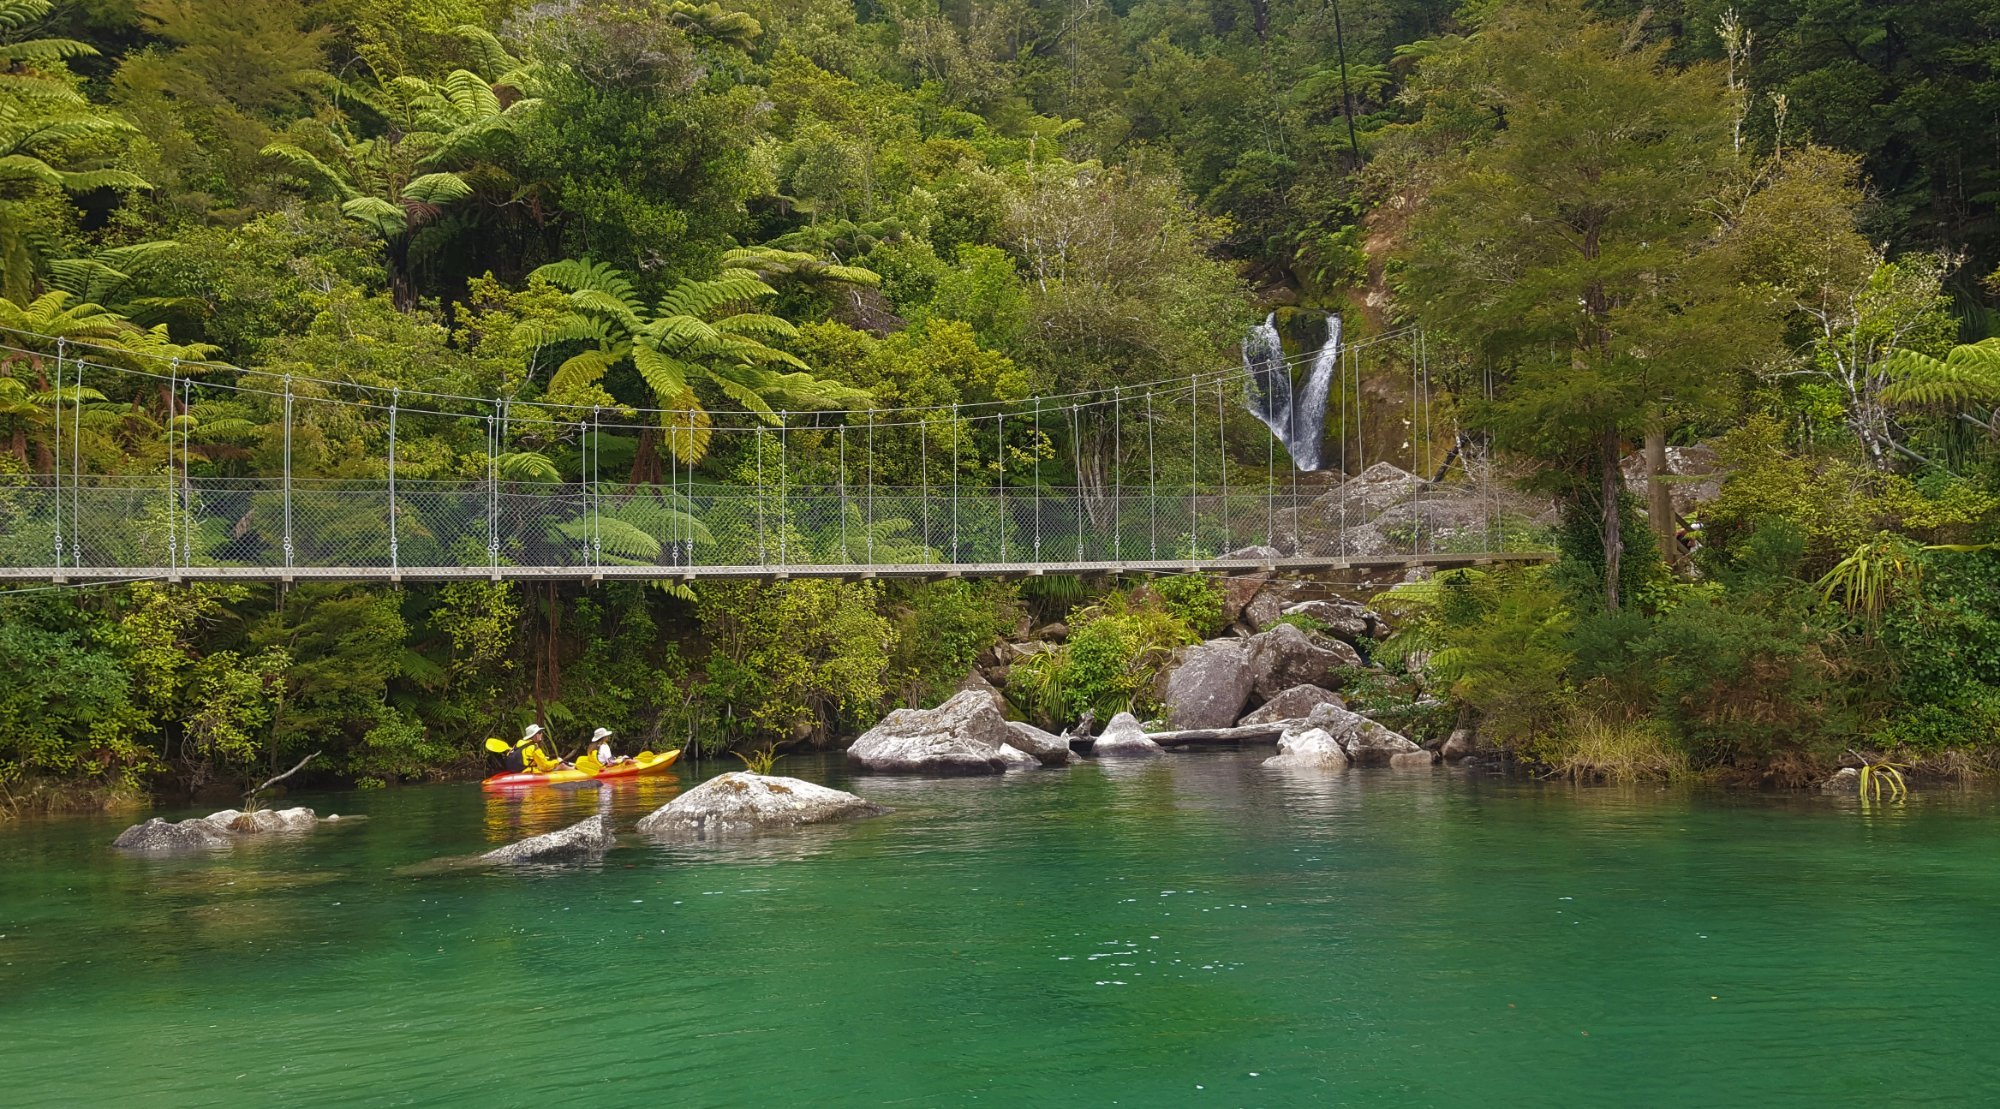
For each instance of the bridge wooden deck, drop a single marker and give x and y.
(768, 572)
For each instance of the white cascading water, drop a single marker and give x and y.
(1297, 418)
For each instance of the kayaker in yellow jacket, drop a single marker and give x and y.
(531, 752)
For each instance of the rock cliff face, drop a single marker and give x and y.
(744, 804)
(962, 736)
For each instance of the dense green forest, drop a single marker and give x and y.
(1770, 229)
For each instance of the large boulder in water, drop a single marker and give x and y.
(1366, 742)
(1285, 657)
(961, 736)
(163, 835)
(1295, 703)
(740, 803)
(1308, 748)
(1047, 749)
(1124, 738)
(1208, 686)
(583, 840)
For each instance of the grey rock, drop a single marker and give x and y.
(162, 835)
(1464, 739)
(1056, 632)
(1419, 759)
(1308, 748)
(1694, 475)
(266, 820)
(1016, 758)
(1285, 656)
(1123, 738)
(1295, 703)
(1845, 780)
(1047, 749)
(582, 840)
(976, 682)
(1344, 620)
(1269, 604)
(1366, 742)
(961, 736)
(740, 803)
(1238, 592)
(1209, 685)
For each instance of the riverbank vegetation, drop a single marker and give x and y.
(1624, 229)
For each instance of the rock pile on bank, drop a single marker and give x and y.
(1332, 738)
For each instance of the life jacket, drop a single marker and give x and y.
(515, 760)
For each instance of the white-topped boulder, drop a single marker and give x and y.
(740, 803)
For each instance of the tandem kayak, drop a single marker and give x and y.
(648, 762)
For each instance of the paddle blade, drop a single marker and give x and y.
(589, 764)
(497, 746)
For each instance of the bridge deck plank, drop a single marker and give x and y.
(859, 571)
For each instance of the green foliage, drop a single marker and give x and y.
(759, 761)
(794, 658)
(940, 628)
(1115, 654)
(1195, 600)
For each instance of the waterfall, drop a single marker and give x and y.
(1297, 419)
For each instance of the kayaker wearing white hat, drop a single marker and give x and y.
(601, 747)
(531, 754)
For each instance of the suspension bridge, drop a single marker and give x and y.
(1163, 477)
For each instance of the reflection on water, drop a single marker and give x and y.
(1169, 931)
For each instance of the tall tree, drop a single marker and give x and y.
(1570, 246)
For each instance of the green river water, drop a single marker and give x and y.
(1191, 931)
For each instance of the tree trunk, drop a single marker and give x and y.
(1659, 497)
(1614, 543)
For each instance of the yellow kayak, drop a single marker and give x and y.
(647, 762)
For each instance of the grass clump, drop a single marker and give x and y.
(1589, 748)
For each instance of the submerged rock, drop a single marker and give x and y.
(1124, 738)
(266, 820)
(582, 840)
(1047, 749)
(1308, 748)
(1209, 685)
(740, 803)
(217, 829)
(961, 736)
(1295, 703)
(163, 835)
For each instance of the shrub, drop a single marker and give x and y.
(1114, 656)
(1196, 599)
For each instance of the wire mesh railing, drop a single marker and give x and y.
(146, 525)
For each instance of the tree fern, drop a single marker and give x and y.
(1969, 375)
